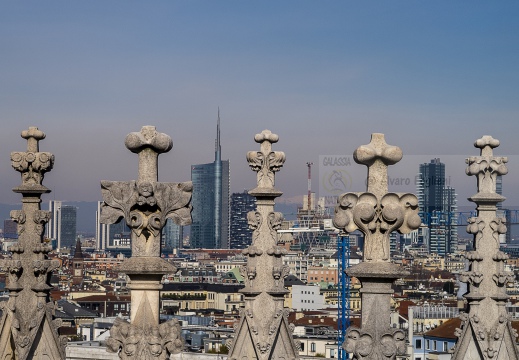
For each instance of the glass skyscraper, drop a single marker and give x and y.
(438, 208)
(62, 225)
(172, 235)
(67, 230)
(241, 204)
(210, 201)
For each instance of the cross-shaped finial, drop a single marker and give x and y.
(487, 166)
(486, 144)
(266, 162)
(377, 155)
(33, 135)
(148, 143)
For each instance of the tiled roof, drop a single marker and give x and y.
(447, 329)
(403, 308)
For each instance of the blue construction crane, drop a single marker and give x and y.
(343, 247)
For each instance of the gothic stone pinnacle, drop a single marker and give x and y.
(27, 325)
(145, 205)
(263, 332)
(486, 331)
(376, 213)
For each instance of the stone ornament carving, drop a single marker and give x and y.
(264, 331)
(155, 342)
(145, 205)
(266, 162)
(486, 331)
(376, 213)
(27, 327)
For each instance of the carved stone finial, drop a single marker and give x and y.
(145, 205)
(27, 323)
(377, 155)
(266, 162)
(486, 331)
(487, 167)
(263, 331)
(32, 164)
(148, 143)
(33, 136)
(376, 213)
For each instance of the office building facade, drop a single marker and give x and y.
(240, 234)
(172, 235)
(438, 208)
(210, 201)
(67, 229)
(10, 229)
(110, 236)
(61, 229)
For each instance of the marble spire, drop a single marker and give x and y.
(376, 213)
(264, 331)
(486, 331)
(27, 327)
(145, 205)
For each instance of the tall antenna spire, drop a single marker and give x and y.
(218, 147)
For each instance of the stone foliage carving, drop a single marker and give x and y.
(146, 204)
(32, 164)
(363, 345)
(266, 163)
(486, 331)
(145, 208)
(363, 211)
(156, 342)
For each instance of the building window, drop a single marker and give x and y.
(434, 345)
(302, 346)
(312, 347)
(445, 346)
(332, 353)
(427, 344)
(418, 344)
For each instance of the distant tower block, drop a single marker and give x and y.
(211, 198)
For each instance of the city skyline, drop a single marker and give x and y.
(433, 77)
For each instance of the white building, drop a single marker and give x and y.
(298, 264)
(307, 297)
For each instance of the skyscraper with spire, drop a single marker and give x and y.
(210, 201)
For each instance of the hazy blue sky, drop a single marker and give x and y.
(432, 75)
